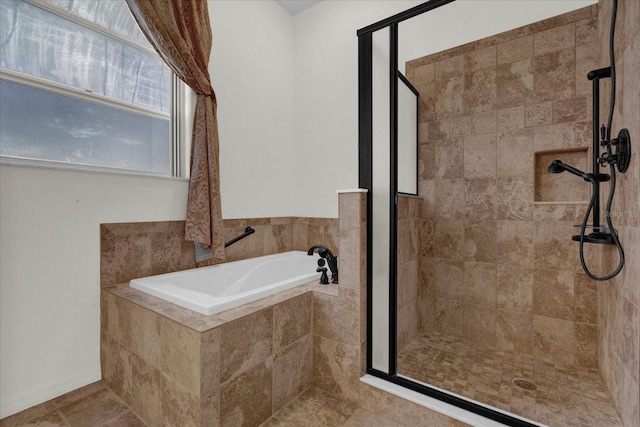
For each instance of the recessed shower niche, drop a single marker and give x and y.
(549, 189)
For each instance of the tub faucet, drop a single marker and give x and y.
(332, 260)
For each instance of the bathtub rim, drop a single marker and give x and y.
(200, 322)
(179, 296)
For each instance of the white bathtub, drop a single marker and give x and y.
(210, 290)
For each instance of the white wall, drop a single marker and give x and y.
(287, 91)
(325, 119)
(50, 271)
(252, 71)
(49, 219)
(326, 76)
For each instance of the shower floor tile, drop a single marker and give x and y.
(564, 396)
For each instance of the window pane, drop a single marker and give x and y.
(39, 124)
(111, 14)
(39, 43)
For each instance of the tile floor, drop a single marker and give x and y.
(92, 405)
(95, 405)
(564, 396)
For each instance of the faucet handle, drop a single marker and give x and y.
(324, 279)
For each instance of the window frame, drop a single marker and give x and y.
(180, 116)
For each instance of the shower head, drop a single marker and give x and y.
(557, 167)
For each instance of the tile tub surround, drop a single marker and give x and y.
(338, 347)
(139, 249)
(491, 255)
(177, 367)
(171, 364)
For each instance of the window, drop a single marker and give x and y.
(80, 86)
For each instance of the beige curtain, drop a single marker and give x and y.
(180, 32)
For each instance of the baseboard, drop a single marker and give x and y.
(10, 405)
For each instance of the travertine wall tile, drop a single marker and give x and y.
(454, 127)
(514, 289)
(586, 303)
(480, 284)
(247, 400)
(450, 238)
(210, 378)
(515, 245)
(480, 91)
(292, 371)
(480, 59)
(479, 324)
(514, 330)
(586, 345)
(427, 161)
(424, 74)
(180, 355)
(118, 319)
(554, 75)
(554, 39)
(553, 294)
(408, 322)
(510, 119)
(515, 198)
(525, 92)
(292, 321)
(539, 114)
(449, 279)
(484, 122)
(448, 159)
(132, 250)
(353, 259)
(407, 283)
(146, 394)
(515, 50)
(333, 318)
(515, 152)
(480, 156)
(449, 316)
(481, 241)
(336, 367)
(572, 109)
(179, 406)
(245, 343)
(553, 248)
(587, 59)
(449, 67)
(479, 199)
(514, 83)
(554, 339)
(146, 335)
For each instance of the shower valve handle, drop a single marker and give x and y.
(608, 158)
(603, 135)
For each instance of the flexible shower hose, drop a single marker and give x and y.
(612, 188)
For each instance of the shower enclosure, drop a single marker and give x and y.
(476, 296)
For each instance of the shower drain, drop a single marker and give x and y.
(525, 384)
